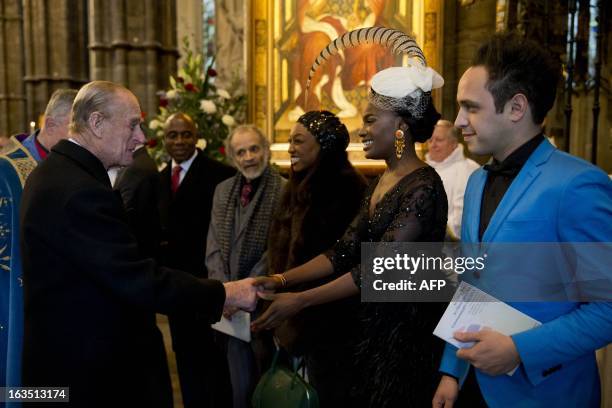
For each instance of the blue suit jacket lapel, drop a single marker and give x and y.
(518, 188)
(471, 218)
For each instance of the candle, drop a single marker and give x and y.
(32, 126)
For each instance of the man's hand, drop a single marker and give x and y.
(446, 394)
(229, 311)
(284, 306)
(241, 294)
(494, 353)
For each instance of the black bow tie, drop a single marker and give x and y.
(502, 169)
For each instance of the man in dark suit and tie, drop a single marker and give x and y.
(90, 297)
(139, 187)
(187, 187)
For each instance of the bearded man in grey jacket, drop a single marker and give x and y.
(242, 211)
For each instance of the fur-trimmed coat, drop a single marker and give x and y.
(314, 226)
(303, 229)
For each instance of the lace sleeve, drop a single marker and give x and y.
(346, 253)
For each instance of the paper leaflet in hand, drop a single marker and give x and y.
(472, 310)
(239, 326)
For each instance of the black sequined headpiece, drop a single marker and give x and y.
(331, 134)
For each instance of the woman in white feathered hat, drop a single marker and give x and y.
(396, 356)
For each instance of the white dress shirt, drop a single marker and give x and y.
(184, 166)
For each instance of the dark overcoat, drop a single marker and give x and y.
(90, 297)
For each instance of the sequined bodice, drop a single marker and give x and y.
(415, 209)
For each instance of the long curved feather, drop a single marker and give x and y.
(396, 40)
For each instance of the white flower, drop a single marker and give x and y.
(201, 144)
(223, 93)
(160, 133)
(208, 106)
(228, 120)
(155, 124)
(171, 94)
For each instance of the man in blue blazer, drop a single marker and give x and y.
(530, 192)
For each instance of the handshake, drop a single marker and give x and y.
(241, 294)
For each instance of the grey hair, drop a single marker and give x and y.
(453, 132)
(96, 96)
(60, 103)
(265, 143)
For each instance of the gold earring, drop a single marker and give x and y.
(399, 143)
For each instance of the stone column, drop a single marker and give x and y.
(134, 43)
(231, 47)
(12, 91)
(467, 24)
(55, 50)
(189, 25)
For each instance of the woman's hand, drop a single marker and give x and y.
(268, 283)
(284, 306)
(446, 394)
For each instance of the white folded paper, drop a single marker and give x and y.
(473, 310)
(239, 326)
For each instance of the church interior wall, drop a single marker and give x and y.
(12, 90)
(64, 43)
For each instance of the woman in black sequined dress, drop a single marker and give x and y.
(396, 356)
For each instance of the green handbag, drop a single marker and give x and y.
(281, 387)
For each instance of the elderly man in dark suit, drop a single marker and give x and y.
(90, 297)
(187, 187)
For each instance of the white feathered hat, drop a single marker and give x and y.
(396, 88)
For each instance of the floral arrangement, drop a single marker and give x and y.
(214, 110)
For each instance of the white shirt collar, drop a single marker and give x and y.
(113, 172)
(186, 164)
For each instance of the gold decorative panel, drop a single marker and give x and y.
(287, 35)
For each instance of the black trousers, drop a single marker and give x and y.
(247, 362)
